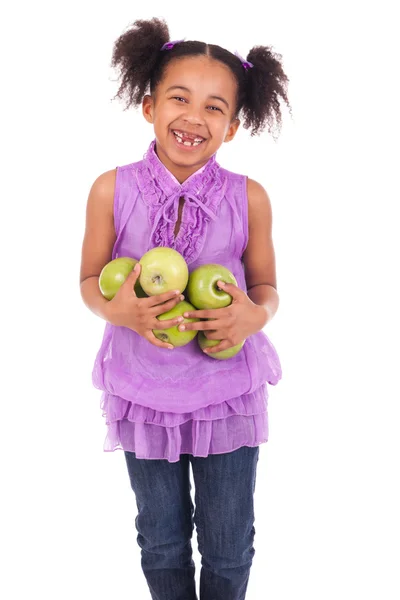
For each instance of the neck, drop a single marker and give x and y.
(180, 172)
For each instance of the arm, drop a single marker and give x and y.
(248, 313)
(259, 256)
(98, 242)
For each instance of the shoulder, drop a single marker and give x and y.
(230, 175)
(104, 184)
(234, 185)
(255, 192)
(107, 185)
(101, 195)
(259, 202)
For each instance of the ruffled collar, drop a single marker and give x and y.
(198, 183)
(202, 191)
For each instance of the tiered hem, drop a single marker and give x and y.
(216, 429)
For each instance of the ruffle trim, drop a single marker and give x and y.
(203, 192)
(115, 409)
(198, 438)
(216, 429)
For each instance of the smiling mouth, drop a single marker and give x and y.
(187, 139)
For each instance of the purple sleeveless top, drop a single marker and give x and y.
(162, 403)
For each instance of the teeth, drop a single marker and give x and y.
(191, 144)
(179, 136)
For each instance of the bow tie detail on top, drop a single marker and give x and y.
(168, 212)
(203, 192)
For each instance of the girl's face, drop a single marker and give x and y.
(192, 111)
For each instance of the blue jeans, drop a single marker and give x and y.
(224, 518)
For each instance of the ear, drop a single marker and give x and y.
(148, 108)
(233, 127)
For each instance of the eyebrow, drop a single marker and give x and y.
(185, 89)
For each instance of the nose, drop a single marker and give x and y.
(193, 115)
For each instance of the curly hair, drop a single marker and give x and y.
(141, 63)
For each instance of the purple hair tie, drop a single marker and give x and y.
(246, 64)
(170, 45)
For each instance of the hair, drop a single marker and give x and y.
(141, 63)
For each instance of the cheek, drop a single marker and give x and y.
(221, 127)
(168, 114)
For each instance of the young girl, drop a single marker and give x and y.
(169, 409)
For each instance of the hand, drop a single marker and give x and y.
(140, 314)
(231, 324)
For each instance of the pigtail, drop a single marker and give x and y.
(261, 80)
(136, 54)
(266, 82)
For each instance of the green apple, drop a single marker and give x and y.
(173, 335)
(114, 274)
(222, 354)
(163, 269)
(202, 290)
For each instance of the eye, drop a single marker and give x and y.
(215, 108)
(179, 98)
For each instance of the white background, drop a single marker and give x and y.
(327, 500)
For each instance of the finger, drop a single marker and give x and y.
(213, 313)
(161, 298)
(156, 342)
(166, 324)
(213, 335)
(197, 325)
(223, 345)
(132, 278)
(159, 309)
(233, 290)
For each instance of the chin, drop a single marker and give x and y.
(185, 157)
